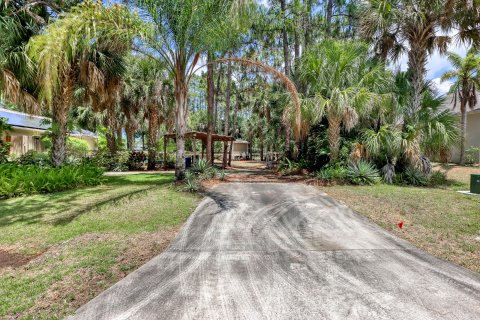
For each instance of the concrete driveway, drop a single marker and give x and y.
(287, 251)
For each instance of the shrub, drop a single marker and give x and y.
(4, 151)
(414, 177)
(18, 180)
(34, 158)
(473, 155)
(117, 162)
(362, 173)
(76, 148)
(288, 167)
(336, 172)
(136, 160)
(438, 178)
(191, 184)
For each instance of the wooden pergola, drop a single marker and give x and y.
(195, 135)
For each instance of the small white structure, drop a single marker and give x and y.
(240, 150)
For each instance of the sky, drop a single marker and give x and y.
(437, 64)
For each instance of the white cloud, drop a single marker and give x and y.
(442, 87)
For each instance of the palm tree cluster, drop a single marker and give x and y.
(311, 80)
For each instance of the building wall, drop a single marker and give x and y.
(23, 140)
(473, 135)
(239, 147)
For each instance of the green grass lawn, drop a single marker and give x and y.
(440, 221)
(82, 241)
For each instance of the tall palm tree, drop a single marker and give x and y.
(466, 77)
(342, 83)
(147, 90)
(184, 29)
(423, 25)
(79, 36)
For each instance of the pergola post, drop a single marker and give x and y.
(194, 147)
(165, 152)
(203, 149)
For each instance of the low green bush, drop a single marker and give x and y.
(438, 178)
(335, 172)
(16, 180)
(34, 158)
(412, 176)
(117, 162)
(362, 173)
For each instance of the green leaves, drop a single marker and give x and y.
(87, 31)
(18, 180)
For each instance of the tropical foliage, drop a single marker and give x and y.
(16, 180)
(311, 81)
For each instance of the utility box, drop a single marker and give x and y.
(475, 183)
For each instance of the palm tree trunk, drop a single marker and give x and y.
(210, 108)
(181, 92)
(417, 59)
(111, 130)
(59, 133)
(329, 17)
(59, 121)
(463, 130)
(130, 131)
(234, 129)
(334, 123)
(227, 113)
(152, 136)
(286, 51)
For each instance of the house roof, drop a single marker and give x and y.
(23, 120)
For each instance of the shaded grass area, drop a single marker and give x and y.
(442, 222)
(85, 239)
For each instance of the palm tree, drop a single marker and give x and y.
(184, 29)
(67, 47)
(17, 72)
(343, 84)
(418, 23)
(466, 77)
(147, 91)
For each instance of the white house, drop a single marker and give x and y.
(27, 130)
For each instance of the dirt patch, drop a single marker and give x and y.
(79, 287)
(459, 173)
(9, 259)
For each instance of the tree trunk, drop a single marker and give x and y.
(61, 106)
(210, 108)
(181, 92)
(417, 59)
(152, 136)
(111, 124)
(59, 132)
(329, 17)
(334, 123)
(227, 113)
(234, 129)
(286, 51)
(261, 146)
(130, 129)
(463, 130)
